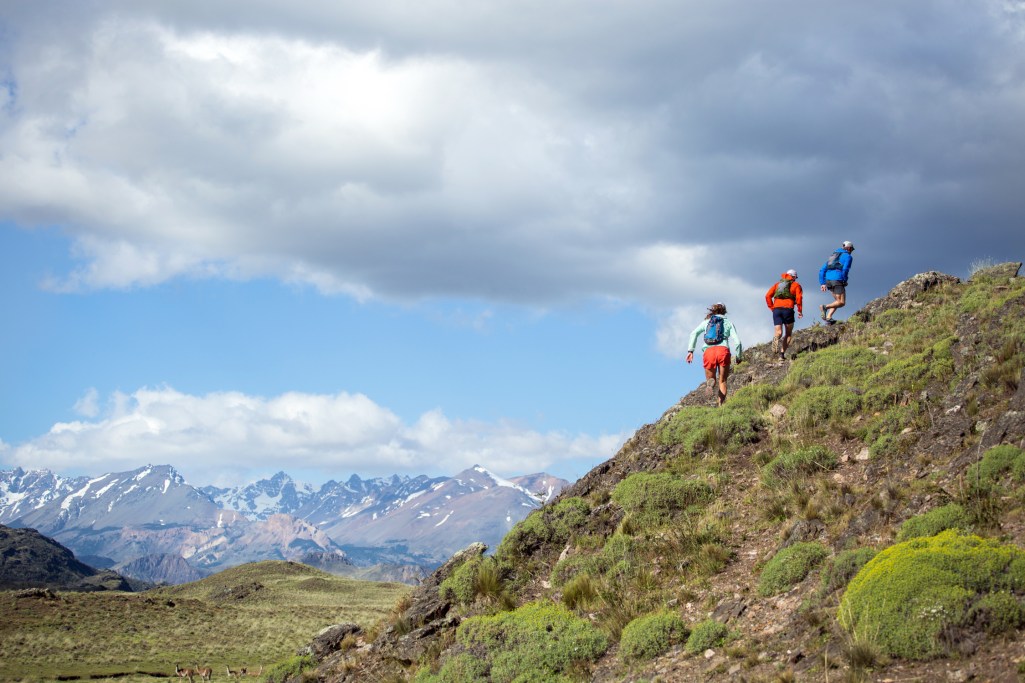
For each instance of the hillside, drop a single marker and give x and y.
(248, 616)
(857, 513)
(30, 560)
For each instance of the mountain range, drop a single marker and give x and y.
(144, 520)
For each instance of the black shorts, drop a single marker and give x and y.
(782, 316)
(836, 287)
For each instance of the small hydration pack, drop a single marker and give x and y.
(833, 263)
(783, 290)
(715, 332)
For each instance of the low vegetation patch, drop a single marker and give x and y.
(839, 570)
(699, 429)
(552, 525)
(649, 636)
(789, 566)
(798, 464)
(652, 500)
(706, 634)
(952, 516)
(538, 641)
(908, 596)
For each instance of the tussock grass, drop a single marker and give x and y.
(252, 615)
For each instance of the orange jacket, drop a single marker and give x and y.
(795, 289)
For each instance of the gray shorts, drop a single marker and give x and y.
(836, 287)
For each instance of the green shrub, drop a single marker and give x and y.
(699, 428)
(755, 397)
(819, 406)
(994, 463)
(654, 499)
(539, 639)
(789, 566)
(798, 464)
(706, 634)
(910, 593)
(551, 525)
(952, 516)
(997, 613)
(651, 635)
(908, 375)
(288, 668)
(462, 668)
(836, 366)
(580, 591)
(839, 570)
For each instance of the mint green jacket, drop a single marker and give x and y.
(731, 338)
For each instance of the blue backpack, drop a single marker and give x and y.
(715, 332)
(834, 260)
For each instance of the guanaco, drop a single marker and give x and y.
(253, 673)
(205, 672)
(184, 673)
(234, 673)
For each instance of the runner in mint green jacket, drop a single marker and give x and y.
(716, 357)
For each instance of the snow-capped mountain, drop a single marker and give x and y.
(153, 511)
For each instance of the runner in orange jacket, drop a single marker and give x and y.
(782, 298)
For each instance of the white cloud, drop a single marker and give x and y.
(89, 404)
(229, 433)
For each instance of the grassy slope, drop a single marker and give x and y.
(878, 427)
(245, 616)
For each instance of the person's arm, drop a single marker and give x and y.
(736, 348)
(846, 260)
(692, 344)
(795, 287)
(822, 276)
(769, 297)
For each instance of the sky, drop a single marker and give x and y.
(339, 237)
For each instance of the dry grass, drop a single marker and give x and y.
(246, 616)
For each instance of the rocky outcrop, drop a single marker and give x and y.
(30, 560)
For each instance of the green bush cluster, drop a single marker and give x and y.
(789, 566)
(462, 668)
(649, 636)
(819, 406)
(551, 525)
(798, 463)
(994, 464)
(613, 556)
(907, 375)
(652, 500)
(951, 516)
(706, 634)
(837, 366)
(910, 593)
(840, 569)
(538, 639)
(699, 429)
(478, 577)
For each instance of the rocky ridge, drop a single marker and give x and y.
(891, 465)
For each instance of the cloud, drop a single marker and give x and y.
(653, 152)
(230, 434)
(89, 404)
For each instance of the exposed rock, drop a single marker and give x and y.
(329, 640)
(903, 295)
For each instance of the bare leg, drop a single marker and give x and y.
(776, 340)
(785, 342)
(840, 300)
(724, 374)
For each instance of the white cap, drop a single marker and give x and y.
(792, 273)
(848, 245)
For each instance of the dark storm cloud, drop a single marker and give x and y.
(529, 152)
